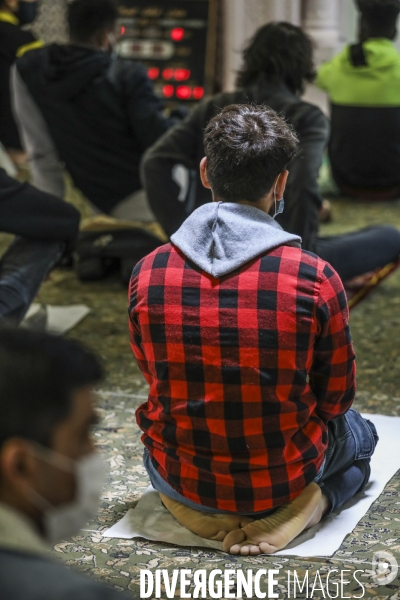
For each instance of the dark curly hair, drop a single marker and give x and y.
(378, 17)
(278, 51)
(86, 18)
(247, 147)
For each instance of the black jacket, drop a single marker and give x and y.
(28, 212)
(101, 113)
(12, 38)
(184, 145)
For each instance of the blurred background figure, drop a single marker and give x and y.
(80, 104)
(14, 43)
(51, 474)
(277, 64)
(363, 84)
(46, 230)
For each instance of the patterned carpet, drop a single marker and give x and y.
(118, 562)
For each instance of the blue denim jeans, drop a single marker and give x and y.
(344, 472)
(23, 267)
(346, 469)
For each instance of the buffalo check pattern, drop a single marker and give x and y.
(244, 373)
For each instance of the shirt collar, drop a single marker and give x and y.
(18, 534)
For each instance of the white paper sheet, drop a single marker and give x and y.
(61, 319)
(151, 521)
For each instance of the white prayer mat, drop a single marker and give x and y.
(151, 521)
(55, 319)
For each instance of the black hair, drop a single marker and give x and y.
(247, 147)
(39, 373)
(278, 51)
(86, 18)
(378, 17)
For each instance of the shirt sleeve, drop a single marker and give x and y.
(145, 110)
(178, 148)
(47, 173)
(134, 326)
(332, 376)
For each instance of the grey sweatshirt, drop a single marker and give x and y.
(220, 237)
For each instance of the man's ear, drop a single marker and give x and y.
(281, 184)
(17, 465)
(203, 174)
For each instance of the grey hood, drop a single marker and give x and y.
(220, 237)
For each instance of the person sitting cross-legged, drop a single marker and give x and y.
(244, 340)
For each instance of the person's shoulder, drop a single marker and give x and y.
(34, 57)
(157, 259)
(44, 578)
(13, 37)
(307, 261)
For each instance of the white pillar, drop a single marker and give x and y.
(321, 21)
(242, 18)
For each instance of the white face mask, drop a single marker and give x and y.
(278, 211)
(61, 522)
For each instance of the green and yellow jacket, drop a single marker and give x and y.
(14, 42)
(363, 84)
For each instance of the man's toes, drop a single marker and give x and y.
(220, 536)
(266, 548)
(237, 536)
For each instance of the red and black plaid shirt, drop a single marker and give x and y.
(244, 373)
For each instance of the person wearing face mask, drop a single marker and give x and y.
(51, 476)
(277, 64)
(244, 340)
(14, 43)
(80, 104)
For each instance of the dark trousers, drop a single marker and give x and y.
(360, 252)
(346, 468)
(23, 267)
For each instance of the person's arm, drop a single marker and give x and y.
(28, 212)
(302, 197)
(332, 376)
(47, 174)
(134, 328)
(145, 109)
(169, 172)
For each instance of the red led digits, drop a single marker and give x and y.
(177, 34)
(153, 73)
(198, 93)
(181, 74)
(168, 91)
(183, 92)
(168, 74)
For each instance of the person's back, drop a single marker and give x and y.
(231, 353)
(363, 84)
(93, 111)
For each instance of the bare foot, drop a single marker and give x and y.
(267, 536)
(207, 526)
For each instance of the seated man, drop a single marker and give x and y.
(79, 104)
(244, 340)
(363, 83)
(14, 42)
(277, 64)
(51, 476)
(46, 228)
